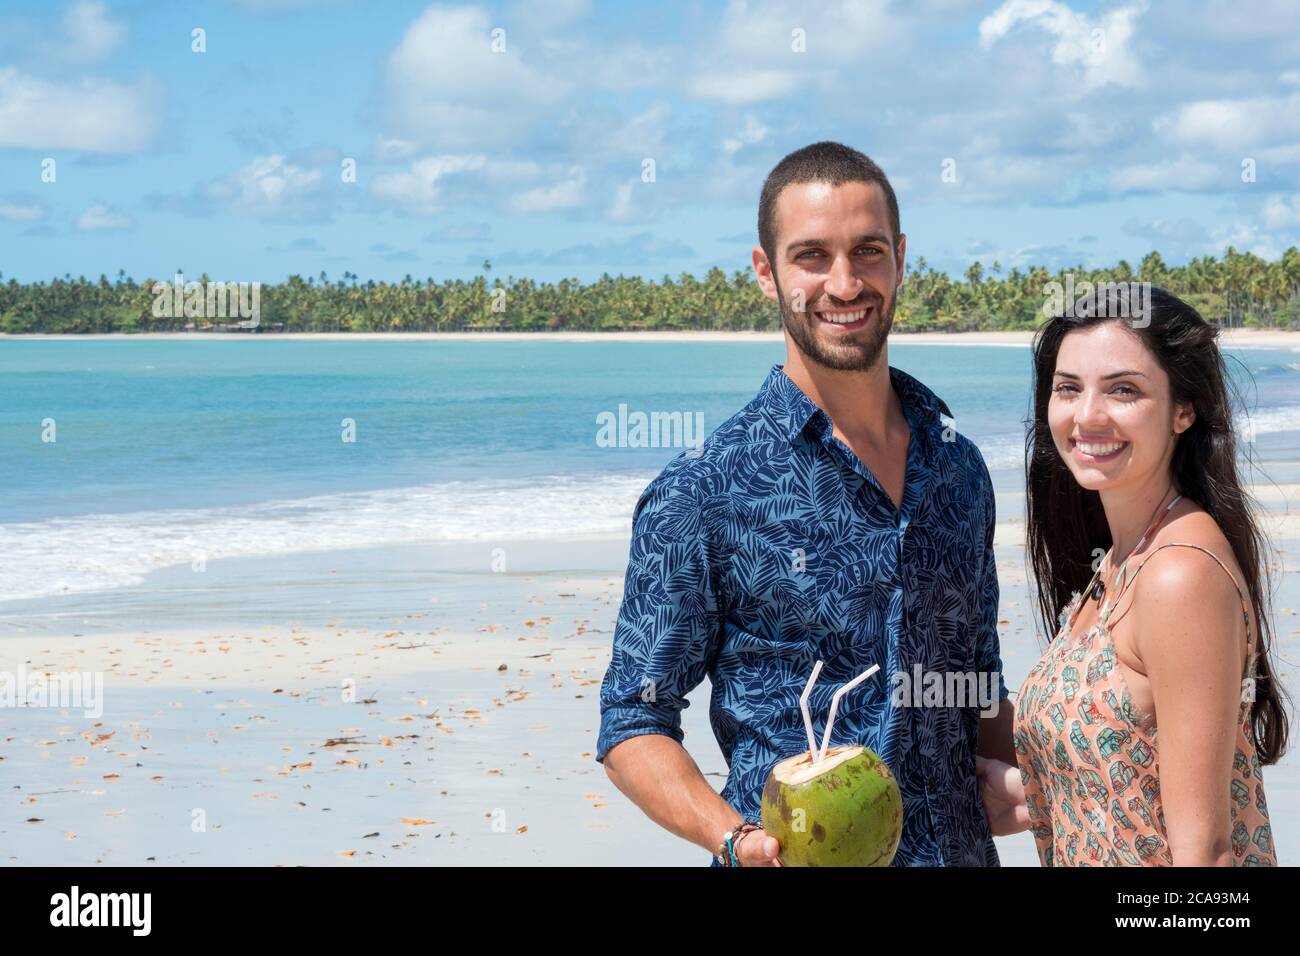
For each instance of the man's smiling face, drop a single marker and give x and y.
(836, 271)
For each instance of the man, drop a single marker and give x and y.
(834, 518)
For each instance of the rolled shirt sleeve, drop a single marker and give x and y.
(668, 626)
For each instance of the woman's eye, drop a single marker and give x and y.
(1124, 391)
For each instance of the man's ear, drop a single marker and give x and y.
(901, 255)
(763, 271)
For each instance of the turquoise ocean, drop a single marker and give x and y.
(167, 450)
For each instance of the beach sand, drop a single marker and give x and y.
(467, 737)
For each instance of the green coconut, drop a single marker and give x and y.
(845, 811)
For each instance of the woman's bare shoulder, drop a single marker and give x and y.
(1187, 585)
(1192, 526)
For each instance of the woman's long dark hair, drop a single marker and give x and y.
(1066, 522)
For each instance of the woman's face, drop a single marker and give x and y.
(1112, 417)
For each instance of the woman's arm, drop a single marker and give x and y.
(1191, 640)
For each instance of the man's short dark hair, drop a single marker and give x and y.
(824, 162)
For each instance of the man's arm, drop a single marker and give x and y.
(995, 734)
(667, 633)
(658, 775)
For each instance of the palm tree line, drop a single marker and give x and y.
(1239, 289)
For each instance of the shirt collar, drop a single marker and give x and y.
(793, 410)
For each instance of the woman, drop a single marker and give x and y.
(1141, 732)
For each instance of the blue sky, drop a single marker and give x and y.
(1070, 132)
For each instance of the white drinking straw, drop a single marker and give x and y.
(835, 703)
(803, 706)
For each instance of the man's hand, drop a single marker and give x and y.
(756, 848)
(1003, 793)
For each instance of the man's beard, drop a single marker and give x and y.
(849, 356)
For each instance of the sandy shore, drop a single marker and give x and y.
(295, 746)
(449, 718)
(1231, 338)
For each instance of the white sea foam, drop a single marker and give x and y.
(99, 551)
(1002, 452)
(1285, 418)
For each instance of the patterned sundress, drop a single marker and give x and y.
(1090, 765)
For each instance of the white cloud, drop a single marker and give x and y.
(986, 170)
(839, 30)
(395, 148)
(272, 188)
(21, 210)
(279, 6)
(1179, 232)
(268, 186)
(1287, 154)
(1233, 20)
(741, 89)
(102, 217)
(511, 171)
(754, 58)
(448, 87)
(1033, 254)
(1235, 123)
(418, 186)
(100, 116)
(1099, 47)
(612, 66)
(1282, 212)
(621, 209)
(562, 195)
(539, 16)
(89, 36)
(1245, 238)
(603, 254)
(1181, 173)
(754, 132)
(640, 136)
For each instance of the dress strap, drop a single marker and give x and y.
(1247, 684)
(1121, 584)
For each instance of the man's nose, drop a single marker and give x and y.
(842, 283)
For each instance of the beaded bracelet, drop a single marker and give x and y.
(726, 854)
